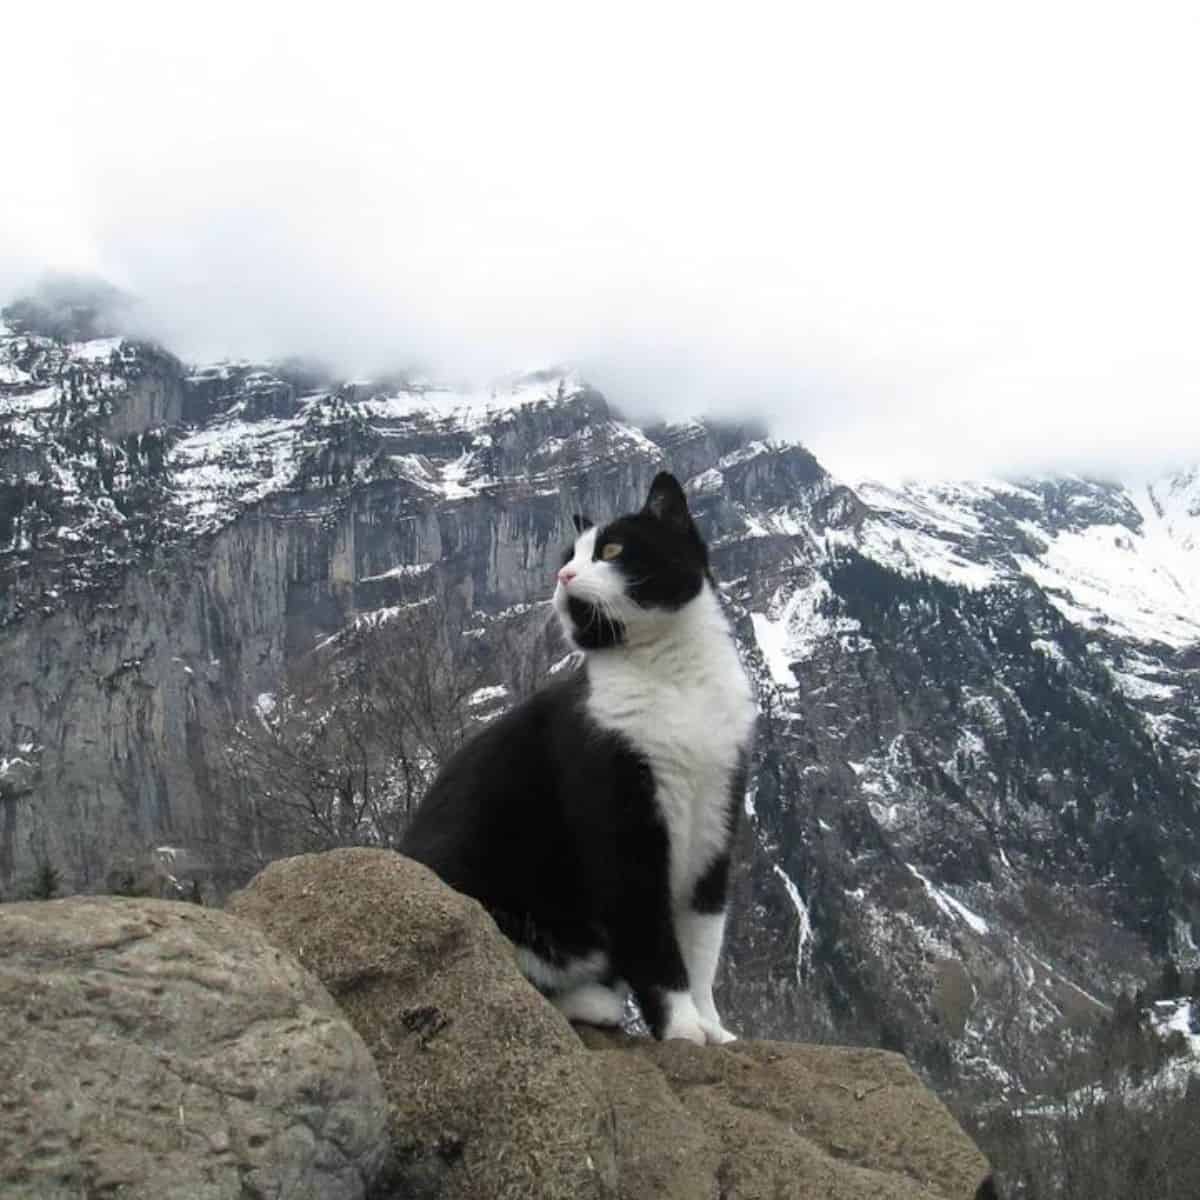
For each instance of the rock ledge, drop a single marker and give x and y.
(495, 1096)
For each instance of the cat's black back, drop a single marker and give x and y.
(542, 817)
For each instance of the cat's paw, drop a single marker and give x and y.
(593, 1004)
(715, 1034)
(688, 1031)
(684, 1020)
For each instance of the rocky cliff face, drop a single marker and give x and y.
(974, 810)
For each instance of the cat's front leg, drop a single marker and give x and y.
(700, 930)
(684, 1021)
(647, 953)
(700, 936)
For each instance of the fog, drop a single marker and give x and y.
(920, 238)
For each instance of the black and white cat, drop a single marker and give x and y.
(595, 820)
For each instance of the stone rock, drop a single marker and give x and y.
(662, 1149)
(150, 1048)
(775, 1120)
(493, 1095)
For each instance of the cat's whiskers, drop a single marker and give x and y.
(602, 611)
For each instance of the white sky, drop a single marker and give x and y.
(918, 237)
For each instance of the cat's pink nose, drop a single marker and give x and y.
(566, 575)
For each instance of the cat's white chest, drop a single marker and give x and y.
(689, 710)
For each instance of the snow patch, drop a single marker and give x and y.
(923, 529)
(98, 350)
(792, 628)
(748, 802)
(1180, 1016)
(1105, 577)
(469, 409)
(804, 929)
(231, 463)
(707, 483)
(951, 907)
(403, 571)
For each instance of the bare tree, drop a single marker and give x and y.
(344, 752)
(1107, 1122)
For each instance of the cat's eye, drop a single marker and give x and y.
(610, 551)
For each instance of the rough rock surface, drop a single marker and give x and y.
(493, 1095)
(771, 1119)
(151, 1049)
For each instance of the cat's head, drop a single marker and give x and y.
(624, 581)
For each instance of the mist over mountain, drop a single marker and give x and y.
(851, 224)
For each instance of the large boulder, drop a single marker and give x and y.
(151, 1048)
(494, 1095)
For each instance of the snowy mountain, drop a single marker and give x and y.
(978, 781)
(975, 810)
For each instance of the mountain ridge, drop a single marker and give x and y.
(976, 806)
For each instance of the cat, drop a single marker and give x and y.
(595, 820)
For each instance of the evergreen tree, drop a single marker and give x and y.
(46, 882)
(1125, 1013)
(1170, 983)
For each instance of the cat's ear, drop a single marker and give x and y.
(667, 502)
(581, 522)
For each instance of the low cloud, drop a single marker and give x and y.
(919, 240)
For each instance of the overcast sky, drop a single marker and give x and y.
(918, 237)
